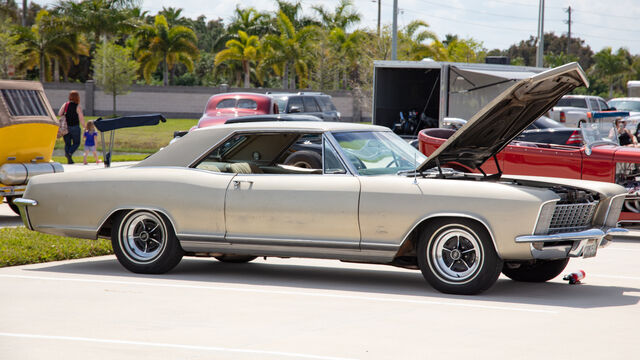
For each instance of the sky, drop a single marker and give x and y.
(496, 23)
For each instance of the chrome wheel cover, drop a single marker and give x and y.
(455, 255)
(143, 237)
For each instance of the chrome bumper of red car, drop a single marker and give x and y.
(572, 244)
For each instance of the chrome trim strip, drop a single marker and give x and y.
(202, 238)
(22, 204)
(484, 223)
(378, 246)
(579, 235)
(25, 202)
(293, 242)
(535, 224)
(606, 215)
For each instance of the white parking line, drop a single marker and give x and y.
(284, 292)
(174, 346)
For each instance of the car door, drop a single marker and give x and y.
(311, 107)
(542, 160)
(311, 210)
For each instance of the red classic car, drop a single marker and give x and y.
(221, 107)
(600, 158)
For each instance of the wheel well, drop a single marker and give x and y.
(409, 246)
(107, 225)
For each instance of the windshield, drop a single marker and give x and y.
(604, 132)
(379, 152)
(573, 102)
(625, 105)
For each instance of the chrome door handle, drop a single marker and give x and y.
(236, 183)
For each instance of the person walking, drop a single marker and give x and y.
(90, 135)
(73, 113)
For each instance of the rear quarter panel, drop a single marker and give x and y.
(76, 204)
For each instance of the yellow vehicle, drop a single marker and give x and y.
(28, 128)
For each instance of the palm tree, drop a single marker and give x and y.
(160, 43)
(341, 18)
(250, 21)
(173, 16)
(348, 48)
(293, 12)
(244, 49)
(289, 51)
(411, 43)
(47, 40)
(609, 66)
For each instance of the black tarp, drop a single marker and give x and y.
(128, 121)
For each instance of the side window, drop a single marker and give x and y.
(295, 102)
(226, 103)
(593, 104)
(332, 164)
(24, 102)
(310, 104)
(603, 105)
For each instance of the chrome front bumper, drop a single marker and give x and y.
(574, 243)
(22, 204)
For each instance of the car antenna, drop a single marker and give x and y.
(415, 171)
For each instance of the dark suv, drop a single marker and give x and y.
(312, 103)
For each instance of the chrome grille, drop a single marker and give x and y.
(572, 217)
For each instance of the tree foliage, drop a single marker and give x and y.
(114, 69)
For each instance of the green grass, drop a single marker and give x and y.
(90, 159)
(19, 246)
(142, 139)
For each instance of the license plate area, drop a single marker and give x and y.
(590, 249)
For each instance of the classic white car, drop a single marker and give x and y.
(227, 192)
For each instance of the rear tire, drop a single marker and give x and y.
(235, 259)
(540, 271)
(144, 242)
(304, 159)
(457, 256)
(13, 206)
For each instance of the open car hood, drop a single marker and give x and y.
(500, 121)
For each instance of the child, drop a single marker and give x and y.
(90, 136)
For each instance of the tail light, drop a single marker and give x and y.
(589, 116)
(563, 117)
(575, 138)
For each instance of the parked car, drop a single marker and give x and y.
(571, 109)
(28, 128)
(226, 192)
(311, 103)
(221, 107)
(599, 158)
(548, 131)
(273, 117)
(630, 104)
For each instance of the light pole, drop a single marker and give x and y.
(379, 11)
(540, 52)
(394, 29)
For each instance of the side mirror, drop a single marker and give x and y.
(294, 109)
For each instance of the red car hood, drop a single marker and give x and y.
(623, 153)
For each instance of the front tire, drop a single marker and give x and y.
(144, 242)
(457, 256)
(539, 271)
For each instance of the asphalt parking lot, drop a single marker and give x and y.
(312, 309)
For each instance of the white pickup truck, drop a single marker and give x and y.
(573, 108)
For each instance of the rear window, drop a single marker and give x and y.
(24, 102)
(325, 103)
(573, 102)
(545, 123)
(247, 104)
(226, 103)
(625, 105)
